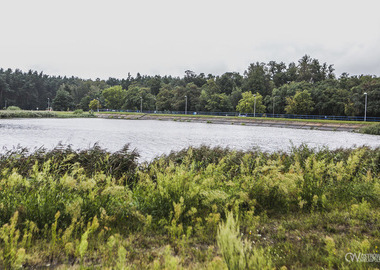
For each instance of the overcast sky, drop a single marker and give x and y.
(90, 38)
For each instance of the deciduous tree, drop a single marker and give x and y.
(94, 105)
(247, 103)
(63, 100)
(300, 103)
(114, 97)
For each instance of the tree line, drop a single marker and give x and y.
(305, 87)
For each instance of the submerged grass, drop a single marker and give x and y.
(199, 208)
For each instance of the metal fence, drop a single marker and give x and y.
(259, 115)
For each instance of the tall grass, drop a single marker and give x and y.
(373, 129)
(91, 207)
(26, 114)
(238, 253)
(17, 113)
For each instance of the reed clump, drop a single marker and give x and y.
(373, 129)
(26, 114)
(206, 208)
(15, 112)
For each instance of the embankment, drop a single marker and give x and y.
(330, 126)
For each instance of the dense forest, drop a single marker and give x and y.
(306, 87)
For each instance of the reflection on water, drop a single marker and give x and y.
(153, 138)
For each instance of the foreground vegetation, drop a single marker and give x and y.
(198, 208)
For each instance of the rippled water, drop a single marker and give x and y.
(152, 138)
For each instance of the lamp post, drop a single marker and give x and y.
(98, 104)
(155, 100)
(365, 107)
(48, 104)
(141, 104)
(186, 105)
(254, 107)
(273, 104)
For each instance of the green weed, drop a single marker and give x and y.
(304, 208)
(238, 253)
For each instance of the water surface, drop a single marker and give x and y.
(152, 138)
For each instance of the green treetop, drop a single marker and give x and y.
(247, 103)
(94, 105)
(114, 97)
(300, 103)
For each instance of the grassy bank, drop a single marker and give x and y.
(42, 114)
(81, 114)
(197, 208)
(314, 121)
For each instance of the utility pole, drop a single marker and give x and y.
(186, 105)
(273, 104)
(365, 107)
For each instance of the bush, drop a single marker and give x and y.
(13, 108)
(79, 111)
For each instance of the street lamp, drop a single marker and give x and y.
(273, 104)
(141, 104)
(254, 107)
(155, 100)
(186, 105)
(48, 104)
(365, 107)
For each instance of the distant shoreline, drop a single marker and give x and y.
(328, 125)
(245, 121)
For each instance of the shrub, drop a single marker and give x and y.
(13, 108)
(79, 111)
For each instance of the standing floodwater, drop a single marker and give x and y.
(153, 138)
